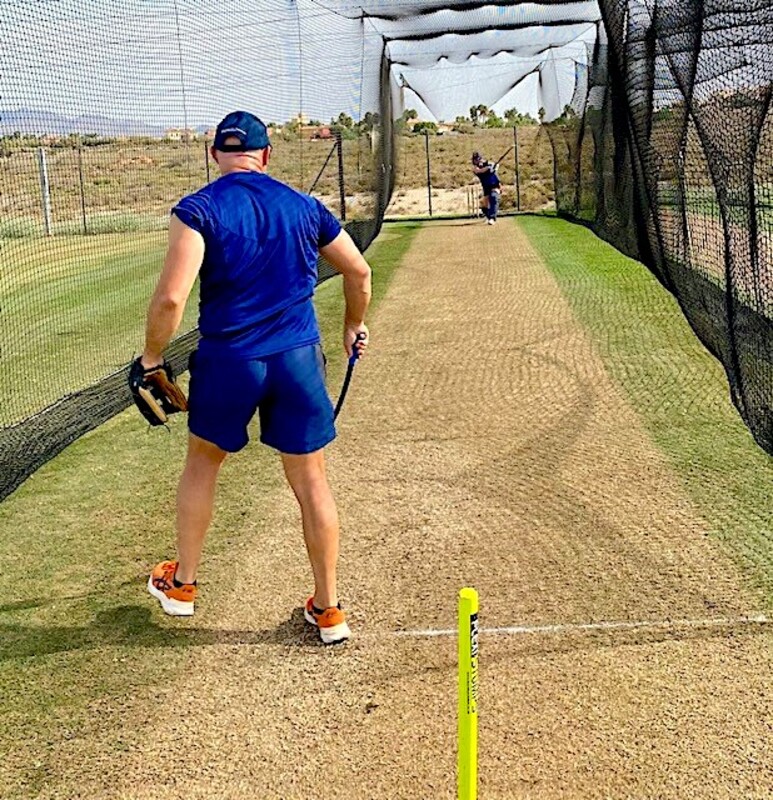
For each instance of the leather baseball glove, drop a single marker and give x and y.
(155, 393)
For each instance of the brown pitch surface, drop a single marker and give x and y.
(482, 444)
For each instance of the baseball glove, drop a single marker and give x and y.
(155, 393)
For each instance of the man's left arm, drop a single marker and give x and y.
(184, 256)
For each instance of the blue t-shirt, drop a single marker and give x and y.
(489, 180)
(260, 263)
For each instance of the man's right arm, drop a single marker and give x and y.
(184, 256)
(342, 254)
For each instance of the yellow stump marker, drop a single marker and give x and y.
(467, 761)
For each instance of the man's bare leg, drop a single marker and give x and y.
(308, 480)
(195, 501)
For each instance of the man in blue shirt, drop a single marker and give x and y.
(254, 242)
(490, 183)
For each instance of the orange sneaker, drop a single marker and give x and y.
(331, 622)
(175, 600)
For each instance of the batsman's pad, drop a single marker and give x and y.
(155, 393)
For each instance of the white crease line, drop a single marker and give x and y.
(516, 630)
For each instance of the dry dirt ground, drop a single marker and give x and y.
(415, 202)
(483, 444)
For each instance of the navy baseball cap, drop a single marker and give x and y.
(246, 127)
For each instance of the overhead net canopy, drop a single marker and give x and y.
(657, 115)
(454, 56)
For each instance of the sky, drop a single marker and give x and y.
(170, 63)
(164, 63)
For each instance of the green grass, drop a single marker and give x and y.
(677, 388)
(703, 200)
(72, 311)
(96, 223)
(77, 631)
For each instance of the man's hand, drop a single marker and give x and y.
(351, 332)
(155, 392)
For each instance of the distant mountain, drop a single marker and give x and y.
(42, 122)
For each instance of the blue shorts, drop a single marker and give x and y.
(287, 390)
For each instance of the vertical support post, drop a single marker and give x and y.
(206, 159)
(83, 190)
(429, 174)
(517, 176)
(300, 140)
(341, 192)
(467, 755)
(45, 191)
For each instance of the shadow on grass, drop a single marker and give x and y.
(26, 605)
(136, 626)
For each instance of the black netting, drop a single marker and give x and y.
(677, 123)
(649, 121)
(107, 110)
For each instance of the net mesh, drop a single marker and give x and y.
(670, 159)
(649, 121)
(659, 118)
(107, 113)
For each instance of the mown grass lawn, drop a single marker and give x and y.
(679, 390)
(72, 311)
